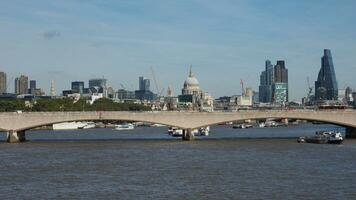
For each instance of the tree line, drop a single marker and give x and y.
(67, 104)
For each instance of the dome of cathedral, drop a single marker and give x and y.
(191, 81)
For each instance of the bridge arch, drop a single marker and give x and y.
(86, 119)
(279, 118)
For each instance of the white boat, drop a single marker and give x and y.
(242, 126)
(126, 126)
(271, 124)
(69, 125)
(176, 132)
(157, 125)
(88, 125)
(204, 131)
(261, 125)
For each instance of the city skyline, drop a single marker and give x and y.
(225, 42)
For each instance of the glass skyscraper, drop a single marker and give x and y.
(144, 84)
(274, 83)
(326, 86)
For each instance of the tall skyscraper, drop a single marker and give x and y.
(326, 86)
(274, 83)
(263, 88)
(269, 81)
(269, 73)
(32, 84)
(21, 85)
(144, 84)
(280, 72)
(280, 86)
(144, 92)
(3, 83)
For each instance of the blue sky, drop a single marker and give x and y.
(224, 41)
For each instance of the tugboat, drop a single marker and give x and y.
(323, 137)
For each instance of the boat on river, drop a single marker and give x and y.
(126, 126)
(73, 125)
(242, 126)
(323, 137)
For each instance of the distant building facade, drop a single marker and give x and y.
(21, 85)
(33, 90)
(3, 83)
(326, 87)
(123, 94)
(98, 85)
(78, 87)
(144, 92)
(274, 83)
(144, 84)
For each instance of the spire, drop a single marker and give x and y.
(169, 92)
(191, 72)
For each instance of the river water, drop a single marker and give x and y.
(257, 163)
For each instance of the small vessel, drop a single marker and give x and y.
(204, 131)
(87, 125)
(126, 126)
(69, 125)
(170, 130)
(177, 132)
(157, 125)
(333, 136)
(271, 124)
(261, 125)
(323, 137)
(243, 126)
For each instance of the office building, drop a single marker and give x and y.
(78, 87)
(274, 83)
(144, 84)
(33, 84)
(3, 83)
(34, 90)
(144, 93)
(98, 85)
(123, 94)
(326, 87)
(21, 85)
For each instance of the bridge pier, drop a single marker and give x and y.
(350, 132)
(188, 135)
(16, 136)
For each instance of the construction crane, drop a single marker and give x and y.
(310, 92)
(159, 92)
(122, 86)
(155, 80)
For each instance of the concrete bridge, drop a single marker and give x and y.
(15, 124)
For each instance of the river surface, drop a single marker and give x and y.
(257, 163)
